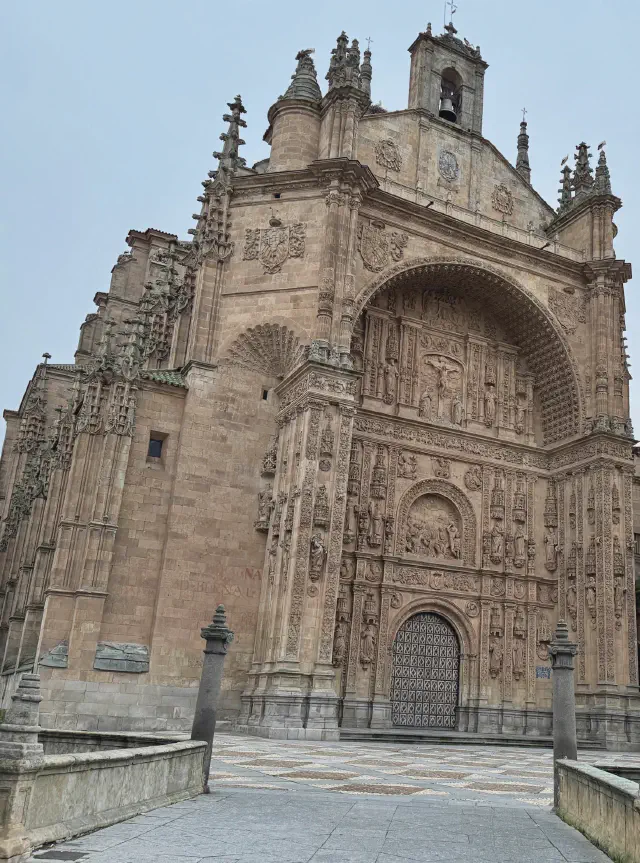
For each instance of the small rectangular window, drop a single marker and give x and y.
(265, 395)
(155, 447)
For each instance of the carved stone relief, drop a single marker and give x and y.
(502, 199)
(378, 247)
(569, 309)
(272, 246)
(388, 155)
(434, 528)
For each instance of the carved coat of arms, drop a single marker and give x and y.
(388, 155)
(502, 199)
(569, 310)
(448, 165)
(377, 246)
(272, 246)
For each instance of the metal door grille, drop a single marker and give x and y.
(424, 679)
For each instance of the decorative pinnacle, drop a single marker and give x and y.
(46, 357)
(229, 161)
(602, 184)
(304, 83)
(218, 630)
(522, 162)
(562, 632)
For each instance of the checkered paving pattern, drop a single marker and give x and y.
(511, 776)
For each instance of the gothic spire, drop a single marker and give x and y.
(228, 160)
(344, 68)
(304, 84)
(583, 173)
(565, 198)
(602, 185)
(522, 162)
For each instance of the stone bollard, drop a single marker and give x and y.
(565, 744)
(218, 637)
(20, 758)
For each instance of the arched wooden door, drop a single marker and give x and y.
(425, 670)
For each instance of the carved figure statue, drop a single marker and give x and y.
(443, 369)
(520, 542)
(367, 645)
(363, 524)
(518, 658)
(376, 522)
(497, 543)
(425, 408)
(285, 545)
(340, 643)
(520, 417)
(495, 657)
(551, 549)
(345, 568)
(273, 550)
(390, 382)
(591, 595)
(454, 539)
(619, 591)
(473, 477)
(264, 504)
(407, 465)
(572, 602)
(317, 557)
(456, 410)
(489, 406)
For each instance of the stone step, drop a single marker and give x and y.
(442, 737)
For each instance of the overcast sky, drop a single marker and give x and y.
(111, 111)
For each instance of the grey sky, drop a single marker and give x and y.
(111, 111)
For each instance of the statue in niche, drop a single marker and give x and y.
(363, 524)
(376, 524)
(317, 557)
(349, 515)
(551, 549)
(489, 405)
(345, 569)
(518, 658)
(456, 410)
(495, 657)
(340, 643)
(591, 595)
(509, 547)
(273, 550)
(619, 591)
(425, 407)
(390, 382)
(520, 416)
(446, 383)
(285, 545)
(520, 542)
(497, 544)
(264, 505)
(407, 465)
(367, 645)
(572, 602)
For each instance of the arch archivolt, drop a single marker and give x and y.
(455, 496)
(531, 324)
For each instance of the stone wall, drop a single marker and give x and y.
(606, 808)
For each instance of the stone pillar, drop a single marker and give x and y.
(218, 637)
(561, 653)
(20, 757)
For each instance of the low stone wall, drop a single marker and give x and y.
(74, 794)
(59, 742)
(605, 807)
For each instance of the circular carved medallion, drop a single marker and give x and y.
(448, 165)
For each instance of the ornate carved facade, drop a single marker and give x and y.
(377, 405)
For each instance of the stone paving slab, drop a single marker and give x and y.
(380, 803)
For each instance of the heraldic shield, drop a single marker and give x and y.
(274, 249)
(374, 246)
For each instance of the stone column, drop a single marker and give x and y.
(561, 653)
(218, 637)
(20, 756)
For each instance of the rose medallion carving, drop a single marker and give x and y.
(448, 165)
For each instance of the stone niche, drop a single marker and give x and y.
(434, 529)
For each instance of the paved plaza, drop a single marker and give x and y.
(293, 802)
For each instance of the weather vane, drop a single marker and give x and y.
(449, 4)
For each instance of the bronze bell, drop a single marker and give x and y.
(446, 109)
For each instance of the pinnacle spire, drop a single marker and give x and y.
(522, 162)
(344, 68)
(229, 160)
(602, 185)
(565, 198)
(304, 83)
(583, 174)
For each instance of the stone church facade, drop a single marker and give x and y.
(377, 405)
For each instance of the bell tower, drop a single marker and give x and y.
(447, 78)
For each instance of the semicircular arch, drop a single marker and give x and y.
(532, 325)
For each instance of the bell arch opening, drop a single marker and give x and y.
(460, 345)
(425, 672)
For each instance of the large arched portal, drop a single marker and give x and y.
(467, 344)
(424, 673)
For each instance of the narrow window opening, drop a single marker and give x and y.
(155, 447)
(276, 194)
(265, 395)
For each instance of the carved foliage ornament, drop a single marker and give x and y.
(448, 165)
(272, 246)
(502, 199)
(388, 155)
(377, 246)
